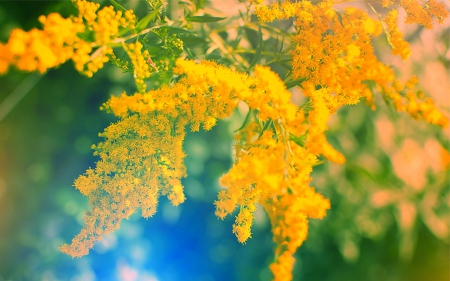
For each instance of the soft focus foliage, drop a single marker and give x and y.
(201, 68)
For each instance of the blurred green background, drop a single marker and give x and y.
(382, 226)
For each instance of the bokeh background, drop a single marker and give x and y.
(390, 202)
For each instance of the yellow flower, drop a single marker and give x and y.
(58, 41)
(399, 45)
(423, 15)
(141, 67)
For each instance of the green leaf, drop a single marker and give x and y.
(298, 140)
(259, 48)
(205, 18)
(192, 41)
(154, 50)
(267, 125)
(318, 163)
(291, 84)
(176, 30)
(199, 4)
(246, 120)
(190, 54)
(143, 23)
(306, 106)
(165, 76)
(252, 36)
(118, 6)
(87, 36)
(339, 16)
(123, 31)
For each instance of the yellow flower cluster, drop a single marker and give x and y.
(275, 173)
(104, 25)
(333, 54)
(41, 49)
(202, 96)
(399, 45)
(273, 170)
(423, 14)
(405, 99)
(141, 67)
(109, 22)
(333, 51)
(142, 158)
(318, 117)
(60, 40)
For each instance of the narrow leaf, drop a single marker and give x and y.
(117, 5)
(87, 36)
(318, 163)
(204, 19)
(247, 119)
(123, 31)
(176, 30)
(190, 54)
(298, 140)
(252, 36)
(267, 125)
(259, 49)
(199, 4)
(298, 82)
(192, 41)
(339, 16)
(143, 23)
